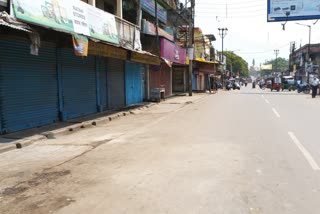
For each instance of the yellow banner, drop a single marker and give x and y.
(266, 67)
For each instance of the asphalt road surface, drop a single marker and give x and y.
(239, 152)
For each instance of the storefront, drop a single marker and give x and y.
(203, 74)
(150, 71)
(179, 79)
(172, 73)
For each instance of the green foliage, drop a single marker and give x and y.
(279, 65)
(236, 64)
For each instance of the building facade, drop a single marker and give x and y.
(48, 74)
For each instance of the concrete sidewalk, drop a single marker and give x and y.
(27, 137)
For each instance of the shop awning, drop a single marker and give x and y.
(144, 57)
(8, 21)
(101, 49)
(204, 61)
(169, 63)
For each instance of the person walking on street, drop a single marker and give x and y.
(314, 85)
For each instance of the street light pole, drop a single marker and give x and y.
(309, 26)
(222, 34)
(308, 51)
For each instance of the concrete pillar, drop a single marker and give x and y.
(92, 2)
(119, 8)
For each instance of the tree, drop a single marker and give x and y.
(236, 64)
(279, 65)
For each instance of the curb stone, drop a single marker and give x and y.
(22, 143)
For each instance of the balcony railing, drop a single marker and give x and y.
(129, 34)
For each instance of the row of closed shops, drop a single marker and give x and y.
(56, 85)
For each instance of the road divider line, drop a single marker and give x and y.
(275, 112)
(305, 152)
(267, 101)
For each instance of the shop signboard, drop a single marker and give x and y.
(150, 29)
(149, 7)
(172, 51)
(72, 16)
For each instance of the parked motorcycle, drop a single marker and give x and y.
(304, 87)
(229, 86)
(262, 86)
(235, 86)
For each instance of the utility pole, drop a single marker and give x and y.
(222, 33)
(190, 45)
(276, 52)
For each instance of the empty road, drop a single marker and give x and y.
(239, 152)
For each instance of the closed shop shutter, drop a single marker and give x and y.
(28, 85)
(194, 81)
(178, 82)
(133, 83)
(161, 79)
(115, 83)
(78, 84)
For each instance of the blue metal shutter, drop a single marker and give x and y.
(103, 82)
(115, 83)
(194, 81)
(78, 84)
(28, 85)
(133, 83)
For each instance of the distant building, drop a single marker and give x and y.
(299, 64)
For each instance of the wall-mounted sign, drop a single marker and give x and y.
(72, 16)
(150, 29)
(149, 7)
(172, 51)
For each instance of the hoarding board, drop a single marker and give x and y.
(289, 10)
(72, 16)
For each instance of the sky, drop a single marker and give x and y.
(249, 34)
